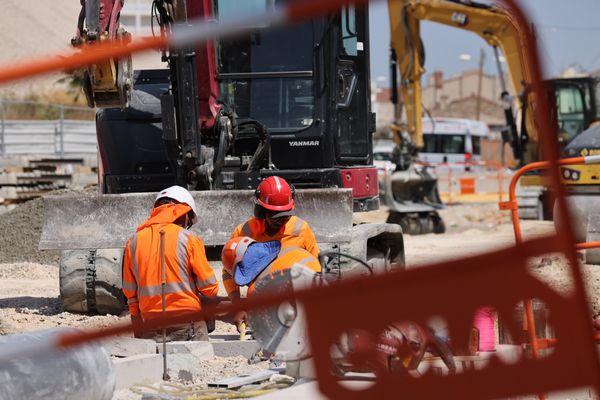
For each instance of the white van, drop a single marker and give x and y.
(452, 140)
(382, 156)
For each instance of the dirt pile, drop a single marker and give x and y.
(21, 229)
(28, 270)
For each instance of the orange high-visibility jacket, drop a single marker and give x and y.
(287, 257)
(295, 233)
(188, 275)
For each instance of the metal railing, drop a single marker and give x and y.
(54, 129)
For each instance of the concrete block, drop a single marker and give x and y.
(8, 192)
(233, 348)
(185, 367)
(200, 349)
(146, 368)
(127, 347)
(8, 178)
(592, 256)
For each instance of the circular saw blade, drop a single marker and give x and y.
(267, 326)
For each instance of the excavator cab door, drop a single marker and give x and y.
(573, 109)
(355, 122)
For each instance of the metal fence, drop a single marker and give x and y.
(59, 136)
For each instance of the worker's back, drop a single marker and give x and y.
(186, 269)
(288, 257)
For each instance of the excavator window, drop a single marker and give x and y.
(571, 111)
(268, 74)
(352, 79)
(349, 35)
(596, 96)
(235, 9)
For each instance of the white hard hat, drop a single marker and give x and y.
(178, 194)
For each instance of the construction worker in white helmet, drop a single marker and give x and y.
(188, 279)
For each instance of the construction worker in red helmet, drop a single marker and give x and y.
(245, 261)
(189, 279)
(274, 218)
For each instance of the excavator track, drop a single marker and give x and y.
(417, 223)
(90, 281)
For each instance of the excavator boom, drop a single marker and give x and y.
(493, 24)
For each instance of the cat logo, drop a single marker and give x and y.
(460, 18)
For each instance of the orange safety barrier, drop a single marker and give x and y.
(466, 185)
(450, 290)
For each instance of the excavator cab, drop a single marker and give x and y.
(576, 105)
(296, 98)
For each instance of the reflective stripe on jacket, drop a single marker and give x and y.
(287, 257)
(295, 233)
(188, 274)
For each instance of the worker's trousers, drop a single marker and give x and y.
(196, 330)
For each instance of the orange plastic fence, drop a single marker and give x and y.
(450, 290)
(466, 185)
(512, 205)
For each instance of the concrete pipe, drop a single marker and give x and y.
(84, 372)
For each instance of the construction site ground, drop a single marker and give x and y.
(29, 291)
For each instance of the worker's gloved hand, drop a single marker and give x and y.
(239, 319)
(136, 321)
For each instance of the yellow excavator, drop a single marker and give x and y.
(577, 99)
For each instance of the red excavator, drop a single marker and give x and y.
(292, 101)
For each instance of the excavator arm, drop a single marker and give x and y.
(106, 84)
(493, 24)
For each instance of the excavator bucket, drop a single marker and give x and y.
(107, 221)
(413, 199)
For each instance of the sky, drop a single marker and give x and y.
(569, 32)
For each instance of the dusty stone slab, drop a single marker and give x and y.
(183, 367)
(200, 349)
(232, 348)
(134, 370)
(127, 347)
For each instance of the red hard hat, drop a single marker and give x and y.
(275, 194)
